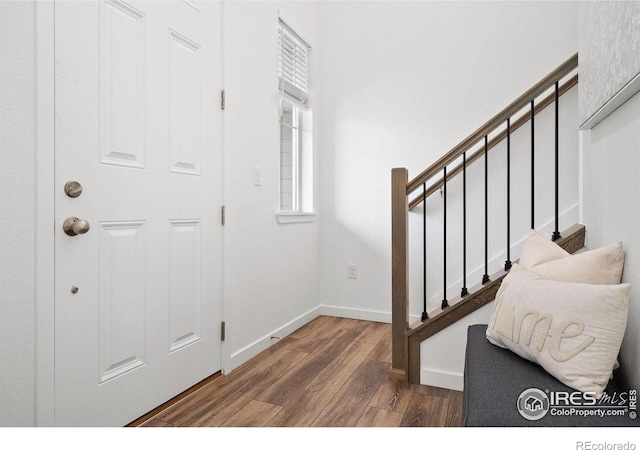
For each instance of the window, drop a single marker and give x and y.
(289, 145)
(296, 157)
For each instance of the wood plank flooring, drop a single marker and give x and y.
(330, 373)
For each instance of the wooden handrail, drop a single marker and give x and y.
(548, 100)
(538, 89)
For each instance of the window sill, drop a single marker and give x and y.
(295, 217)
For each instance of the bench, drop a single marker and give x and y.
(495, 378)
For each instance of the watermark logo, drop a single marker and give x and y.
(589, 445)
(533, 404)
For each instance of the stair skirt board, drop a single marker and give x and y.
(442, 379)
(442, 355)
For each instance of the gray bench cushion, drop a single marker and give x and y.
(495, 377)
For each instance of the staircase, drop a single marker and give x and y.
(407, 195)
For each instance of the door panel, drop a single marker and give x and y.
(184, 105)
(122, 298)
(122, 85)
(138, 297)
(184, 284)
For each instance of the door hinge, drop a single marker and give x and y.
(222, 214)
(222, 331)
(222, 99)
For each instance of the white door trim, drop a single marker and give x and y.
(44, 212)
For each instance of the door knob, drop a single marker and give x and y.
(74, 226)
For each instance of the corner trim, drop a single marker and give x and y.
(628, 90)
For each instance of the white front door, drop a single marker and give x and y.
(138, 126)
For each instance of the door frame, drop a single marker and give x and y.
(44, 234)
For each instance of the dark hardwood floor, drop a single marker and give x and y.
(330, 373)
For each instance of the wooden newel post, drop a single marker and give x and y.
(399, 273)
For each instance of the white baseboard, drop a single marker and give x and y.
(442, 379)
(353, 313)
(253, 349)
(429, 377)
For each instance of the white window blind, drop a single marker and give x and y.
(293, 70)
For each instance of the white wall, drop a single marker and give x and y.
(271, 270)
(609, 52)
(17, 220)
(402, 83)
(608, 37)
(394, 84)
(611, 155)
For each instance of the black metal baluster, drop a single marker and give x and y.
(464, 226)
(445, 303)
(556, 233)
(532, 166)
(425, 316)
(507, 263)
(485, 277)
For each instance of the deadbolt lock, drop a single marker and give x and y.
(73, 189)
(73, 226)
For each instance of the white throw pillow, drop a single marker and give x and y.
(601, 266)
(573, 330)
(538, 249)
